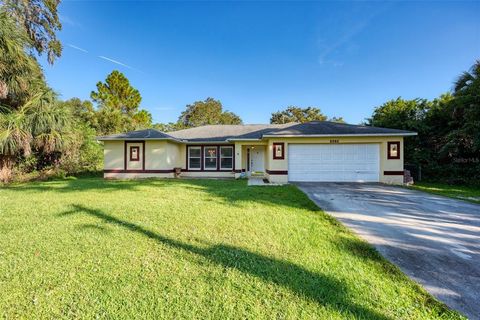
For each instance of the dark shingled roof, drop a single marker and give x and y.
(334, 128)
(225, 132)
(257, 131)
(139, 134)
(222, 133)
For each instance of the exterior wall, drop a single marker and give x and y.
(208, 174)
(115, 175)
(161, 157)
(391, 165)
(113, 155)
(240, 159)
(182, 158)
(278, 169)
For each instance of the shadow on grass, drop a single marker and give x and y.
(317, 287)
(93, 227)
(233, 192)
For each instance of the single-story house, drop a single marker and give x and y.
(312, 151)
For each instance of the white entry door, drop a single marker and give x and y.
(257, 159)
(334, 162)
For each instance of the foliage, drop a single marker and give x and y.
(46, 133)
(167, 127)
(117, 93)
(20, 74)
(82, 111)
(38, 133)
(465, 109)
(142, 120)
(448, 129)
(207, 112)
(297, 114)
(118, 102)
(214, 249)
(41, 126)
(84, 153)
(337, 119)
(39, 20)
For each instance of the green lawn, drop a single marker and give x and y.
(469, 193)
(176, 249)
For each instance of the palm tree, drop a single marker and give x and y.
(466, 111)
(20, 73)
(468, 79)
(48, 122)
(14, 135)
(41, 124)
(15, 139)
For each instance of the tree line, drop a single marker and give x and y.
(447, 147)
(42, 135)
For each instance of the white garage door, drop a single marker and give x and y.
(334, 162)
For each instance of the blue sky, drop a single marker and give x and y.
(259, 57)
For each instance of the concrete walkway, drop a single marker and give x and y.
(433, 239)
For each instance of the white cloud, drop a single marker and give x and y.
(119, 63)
(115, 61)
(77, 48)
(105, 58)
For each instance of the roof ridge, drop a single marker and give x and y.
(258, 131)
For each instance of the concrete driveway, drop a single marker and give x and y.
(433, 239)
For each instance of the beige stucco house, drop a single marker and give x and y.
(312, 151)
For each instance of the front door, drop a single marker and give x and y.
(257, 159)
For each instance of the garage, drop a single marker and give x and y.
(334, 162)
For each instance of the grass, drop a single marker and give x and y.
(185, 249)
(469, 193)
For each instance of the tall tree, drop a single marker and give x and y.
(405, 115)
(117, 93)
(20, 74)
(118, 102)
(466, 108)
(39, 19)
(207, 112)
(297, 114)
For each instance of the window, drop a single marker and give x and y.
(210, 154)
(278, 151)
(134, 153)
(393, 150)
(194, 158)
(226, 158)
